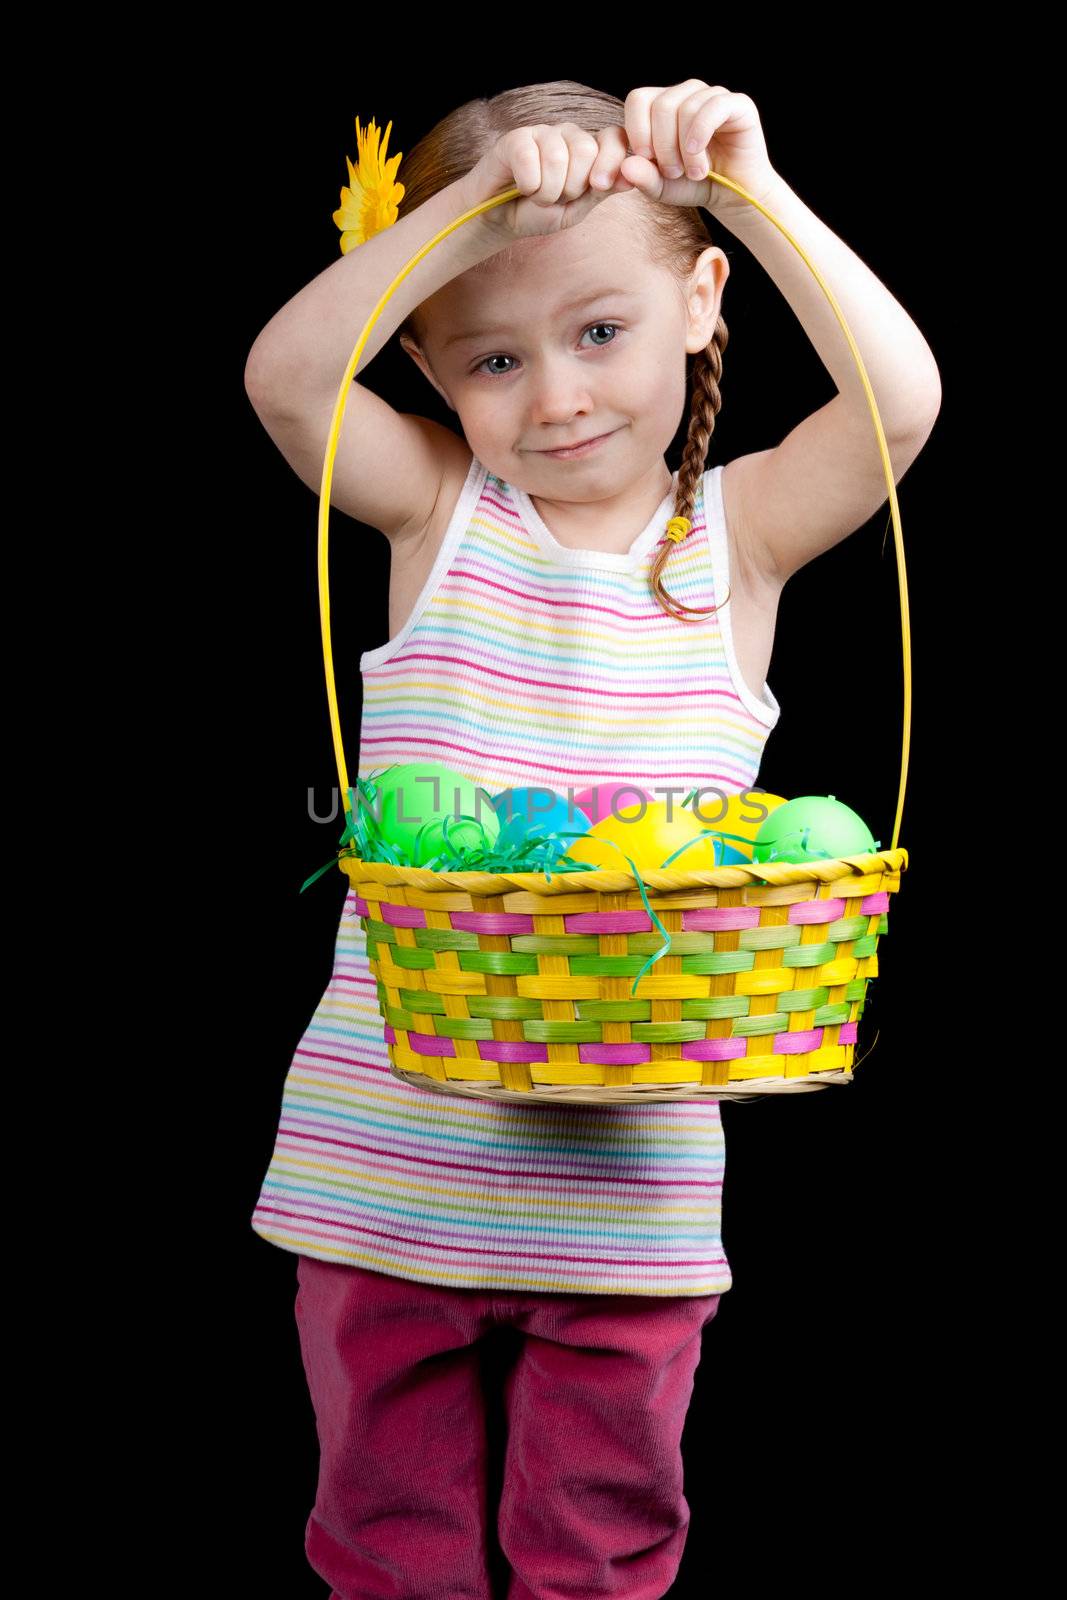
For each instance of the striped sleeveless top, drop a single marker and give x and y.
(523, 662)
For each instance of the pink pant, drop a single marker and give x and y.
(592, 1502)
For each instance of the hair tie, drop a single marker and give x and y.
(677, 528)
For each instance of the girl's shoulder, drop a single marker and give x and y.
(455, 464)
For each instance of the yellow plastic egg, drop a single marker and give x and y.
(728, 813)
(646, 834)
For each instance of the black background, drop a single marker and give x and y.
(839, 1394)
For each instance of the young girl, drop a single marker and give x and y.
(534, 641)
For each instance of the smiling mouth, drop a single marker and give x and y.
(582, 444)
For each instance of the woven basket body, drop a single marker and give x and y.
(514, 987)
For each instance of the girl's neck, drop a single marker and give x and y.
(611, 524)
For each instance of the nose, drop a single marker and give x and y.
(560, 393)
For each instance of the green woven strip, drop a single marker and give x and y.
(496, 961)
(445, 939)
(826, 1016)
(725, 961)
(591, 1032)
(503, 1007)
(608, 966)
(404, 955)
(718, 1006)
(464, 1028)
(752, 1027)
(681, 943)
(702, 964)
(499, 1007)
(847, 928)
(510, 1008)
(808, 955)
(667, 1032)
(615, 1010)
(563, 1032)
(780, 938)
(445, 1027)
(803, 999)
(418, 1000)
(557, 944)
(629, 966)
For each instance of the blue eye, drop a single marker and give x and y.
(614, 326)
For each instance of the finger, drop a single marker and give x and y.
(584, 151)
(638, 115)
(612, 153)
(555, 161)
(664, 120)
(524, 155)
(706, 117)
(692, 142)
(644, 175)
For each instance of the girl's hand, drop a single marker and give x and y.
(725, 127)
(562, 170)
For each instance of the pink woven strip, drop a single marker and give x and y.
(816, 911)
(713, 1049)
(424, 1044)
(362, 908)
(403, 916)
(710, 918)
(491, 922)
(608, 922)
(797, 1044)
(509, 1050)
(872, 904)
(614, 1055)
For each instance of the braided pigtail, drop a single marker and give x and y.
(707, 398)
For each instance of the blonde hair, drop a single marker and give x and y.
(675, 235)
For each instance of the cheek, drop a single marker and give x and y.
(484, 413)
(654, 391)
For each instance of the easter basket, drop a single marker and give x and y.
(606, 985)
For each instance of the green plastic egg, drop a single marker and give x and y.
(813, 827)
(417, 799)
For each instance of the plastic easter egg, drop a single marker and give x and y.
(738, 816)
(729, 855)
(645, 834)
(417, 798)
(598, 800)
(534, 812)
(813, 827)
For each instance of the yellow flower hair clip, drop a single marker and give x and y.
(371, 203)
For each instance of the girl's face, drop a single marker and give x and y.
(562, 338)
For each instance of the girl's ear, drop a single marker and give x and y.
(704, 299)
(413, 350)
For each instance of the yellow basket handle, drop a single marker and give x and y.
(338, 418)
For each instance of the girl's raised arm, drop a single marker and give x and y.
(389, 464)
